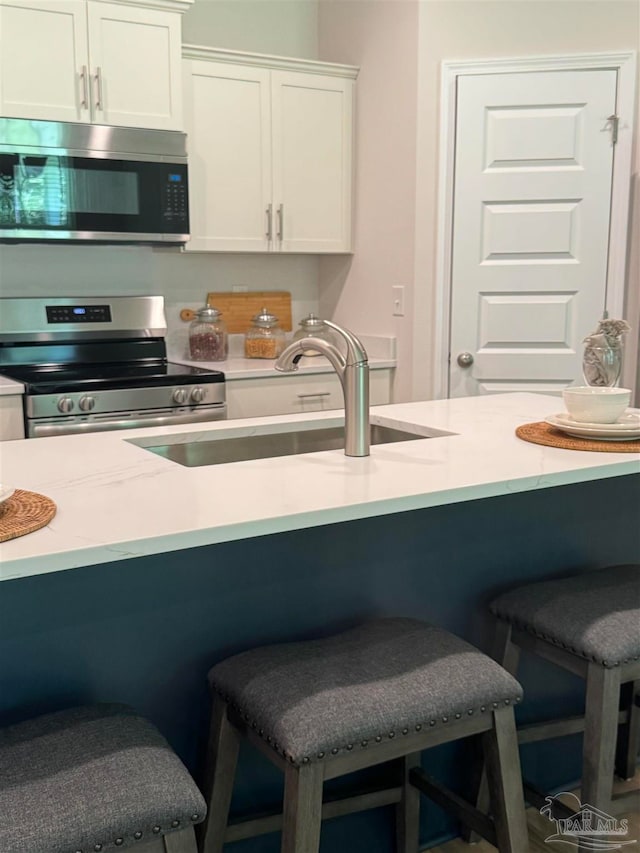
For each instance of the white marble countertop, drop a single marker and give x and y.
(9, 387)
(117, 500)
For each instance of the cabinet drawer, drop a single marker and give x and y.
(280, 395)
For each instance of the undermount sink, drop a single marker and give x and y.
(266, 445)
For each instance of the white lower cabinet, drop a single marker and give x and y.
(283, 395)
(270, 144)
(11, 417)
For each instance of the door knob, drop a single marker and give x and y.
(465, 359)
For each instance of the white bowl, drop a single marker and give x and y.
(593, 404)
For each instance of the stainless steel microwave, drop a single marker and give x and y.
(88, 182)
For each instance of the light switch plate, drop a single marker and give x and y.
(397, 294)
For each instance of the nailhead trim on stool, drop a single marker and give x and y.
(275, 687)
(95, 778)
(594, 615)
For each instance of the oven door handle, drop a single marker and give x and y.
(40, 429)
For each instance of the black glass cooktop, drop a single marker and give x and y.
(54, 379)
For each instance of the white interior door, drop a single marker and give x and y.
(532, 194)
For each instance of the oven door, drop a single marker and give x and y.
(75, 425)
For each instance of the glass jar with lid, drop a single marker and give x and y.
(265, 338)
(312, 326)
(208, 339)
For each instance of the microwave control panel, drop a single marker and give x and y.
(175, 197)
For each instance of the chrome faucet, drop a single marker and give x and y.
(353, 372)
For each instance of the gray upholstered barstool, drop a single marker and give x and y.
(385, 690)
(588, 624)
(94, 779)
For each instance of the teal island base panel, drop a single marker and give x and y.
(146, 631)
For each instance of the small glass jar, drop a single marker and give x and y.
(312, 326)
(265, 338)
(601, 366)
(208, 339)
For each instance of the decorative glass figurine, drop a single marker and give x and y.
(602, 359)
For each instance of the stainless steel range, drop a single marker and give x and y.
(93, 364)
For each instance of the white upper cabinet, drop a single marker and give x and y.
(113, 63)
(270, 144)
(43, 59)
(227, 120)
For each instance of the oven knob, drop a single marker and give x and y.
(179, 396)
(65, 404)
(86, 403)
(197, 395)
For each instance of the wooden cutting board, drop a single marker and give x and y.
(238, 309)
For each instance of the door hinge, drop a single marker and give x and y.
(613, 127)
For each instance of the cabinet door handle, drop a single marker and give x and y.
(281, 222)
(269, 212)
(98, 78)
(316, 394)
(84, 103)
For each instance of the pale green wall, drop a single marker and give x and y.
(281, 27)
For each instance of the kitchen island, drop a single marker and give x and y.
(151, 572)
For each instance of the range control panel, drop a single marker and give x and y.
(78, 313)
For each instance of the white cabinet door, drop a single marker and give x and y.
(311, 118)
(229, 143)
(135, 58)
(43, 60)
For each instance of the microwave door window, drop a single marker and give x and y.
(8, 170)
(53, 196)
(33, 192)
(112, 194)
(41, 198)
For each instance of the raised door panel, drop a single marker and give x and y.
(227, 116)
(312, 118)
(531, 226)
(136, 65)
(43, 60)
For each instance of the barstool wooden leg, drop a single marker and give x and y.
(181, 842)
(505, 783)
(408, 809)
(222, 757)
(629, 733)
(600, 733)
(507, 654)
(302, 809)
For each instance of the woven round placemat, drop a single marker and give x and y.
(23, 513)
(543, 433)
